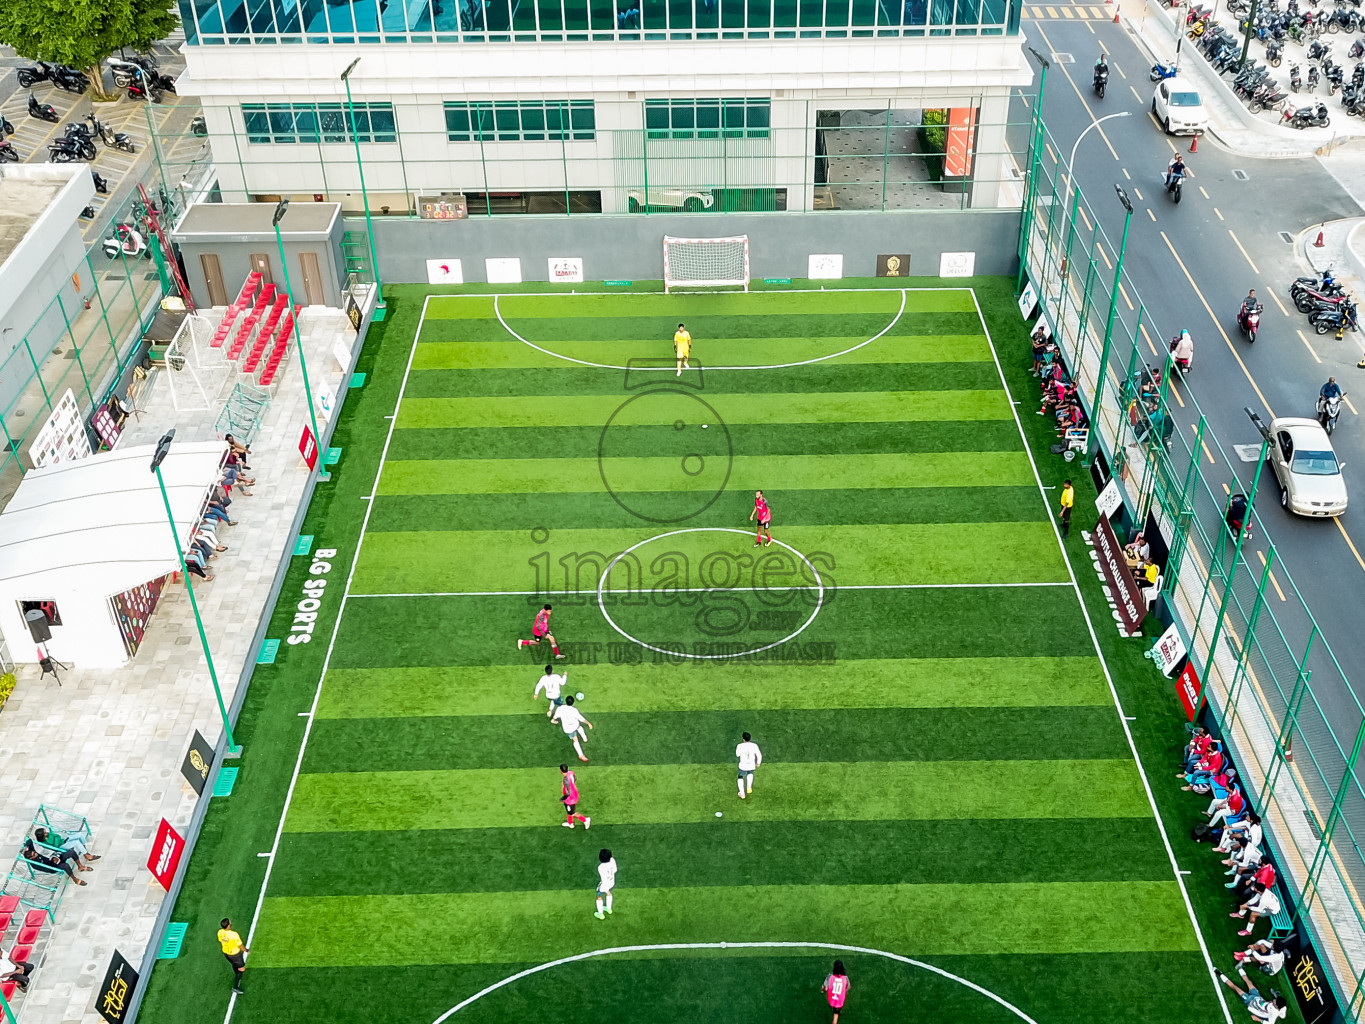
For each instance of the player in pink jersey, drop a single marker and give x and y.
(541, 631)
(835, 989)
(765, 518)
(569, 798)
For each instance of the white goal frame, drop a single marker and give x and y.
(671, 264)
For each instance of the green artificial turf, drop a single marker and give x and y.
(945, 776)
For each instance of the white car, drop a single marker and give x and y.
(1305, 466)
(664, 198)
(1178, 108)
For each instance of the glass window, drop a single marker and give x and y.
(513, 120)
(584, 120)
(708, 119)
(382, 123)
(257, 124)
(333, 119)
(281, 122)
(784, 12)
(760, 13)
(533, 122)
(551, 16)
(758, 118)
(656, 118)
(680, 17)
(306, 122)
(576, 17)
(457, 122)
(508, 121)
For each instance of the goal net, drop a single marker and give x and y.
(706, 262)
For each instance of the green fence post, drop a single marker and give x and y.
(1181, 539)
(1239, 677)
(1227, 586)
(1031, 191)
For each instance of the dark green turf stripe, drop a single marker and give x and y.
(818, 378)
(1019, 622)
(400, 513)
(746, 438)
(1054, 917)
(659, 794)
(745, 987)
(749, 853)
(663, 738)
(568, 328)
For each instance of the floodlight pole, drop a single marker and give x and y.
(1030, 192)
(280, 211)
(163, 448)
(380, 307)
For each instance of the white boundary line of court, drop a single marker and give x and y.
(774, 366)
(835, 946)
(553, 595)
(327, 659)
(1118, 704)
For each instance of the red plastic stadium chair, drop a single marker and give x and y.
(9, 904)
(4, 923)
(27, 936)
(7, 989)
(35, 918)
(20, 953)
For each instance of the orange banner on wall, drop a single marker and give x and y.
(957, 161)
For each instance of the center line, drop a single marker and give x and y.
(1243, 251)
(1304, 338)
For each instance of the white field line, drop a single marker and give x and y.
(720, 590)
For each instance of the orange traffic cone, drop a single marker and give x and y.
(1318, 244)
(1194, 144)
(1116, 17)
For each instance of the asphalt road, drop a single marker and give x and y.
(1192, 264)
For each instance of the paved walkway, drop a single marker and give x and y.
(109, 744)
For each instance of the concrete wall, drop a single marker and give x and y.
(631, 248)
(235, 259)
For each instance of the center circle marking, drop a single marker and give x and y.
(602, 583)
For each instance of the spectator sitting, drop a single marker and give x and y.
(1233, 808)
(194, 562)
(232, 475)
(74, 843)
(1147, 573)
(1041, 345)
(1250, 826)
(52, 863)
(1070, 417)
(241, 451)
(21, 973)
(1245, 886)
(1267, 954)
(1220, 788)
(1211, 764)
(1262, 1010)
(216, 511)
(1244, 858)
(1138, 551)
(1263, 904)
(1199, 744)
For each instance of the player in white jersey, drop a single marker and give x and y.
(750, 757)
(552, 684)
(571, 720)
(606, 882)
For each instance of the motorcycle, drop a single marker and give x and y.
(1249, 320)
(198, 125)
(111, 139)
(138, 89)
(42, 111)
(1295, 78)
(69, 148)
(101, 183)
(7, 152)
(1357, 49)
(69, 79)
(1339, 318)
(1182, 353)
(1309, 292)
(1175, 184)
(1160, 71)
(1236, 517)
(1274, 54)
(1329, 409)
(127, 240)
(1306, 117)
(1101, 81)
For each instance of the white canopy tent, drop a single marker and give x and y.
(91, 536)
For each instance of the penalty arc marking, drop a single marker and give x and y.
(837, 947)
(774, 366)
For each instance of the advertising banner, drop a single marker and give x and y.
(503, 269)
(956, 264)
(1132, 607)
(448, 271)
(566, 269)
(957, 159)
(198, 762)
(1315, 999)
(1187, 687)
(825, 266)
(165, 855)
(119, 982)
(893, 264)
(308, 447)
(1168, 650)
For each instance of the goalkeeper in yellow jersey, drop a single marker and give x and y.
(682, 348)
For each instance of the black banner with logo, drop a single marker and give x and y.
(119, 982)
(1316, 1001)
(198, 762)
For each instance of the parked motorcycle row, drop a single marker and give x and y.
(140, 75)
(1326, 304)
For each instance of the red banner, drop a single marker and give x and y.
(1132, 606)
(957, 162)
(165, 855)
(308, 448)
(1187, 688)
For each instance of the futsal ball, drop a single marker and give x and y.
(578, 695)
(705, 425)
(718, 814)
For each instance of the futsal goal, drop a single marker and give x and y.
(706, 262)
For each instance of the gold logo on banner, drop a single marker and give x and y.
(115, 999)
(197, 762)
(1306, 978)
(893, 266)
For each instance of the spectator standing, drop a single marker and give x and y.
(235, 951)
(1067, 500)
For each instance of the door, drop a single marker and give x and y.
(213, 279)
(260, 263)
(312, 279)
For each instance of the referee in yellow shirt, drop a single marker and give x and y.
(1068, 498)
(682, 348)
(235, 952)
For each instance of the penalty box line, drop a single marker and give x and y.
(720, 590)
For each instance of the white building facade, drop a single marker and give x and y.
(553, 107)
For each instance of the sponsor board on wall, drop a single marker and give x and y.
(566, 269)
(447, 271)
(503, 269)
(116, 990)
(825, 266)
(895, 264)
(956, 264)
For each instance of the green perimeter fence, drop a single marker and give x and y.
(1271, 680)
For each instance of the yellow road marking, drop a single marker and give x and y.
(1350, 406)
(1088, 225)
(1066, 12)
(1135, 93)
(1126, 174)
(1083, 13)
(1215, 210)
(1347, 537)
(1231, 347)
(1036, 12)
(1207, 454)
(1304, 338)
(1206, 195)
(1243, 251)
(1104, 257)
(1176, 392)
(1051, 13)
(1124, 292)
(1279, 303)
(1081, 96)
(1273, 582)
(1120, 71)
(1151, 214)
(1137, 191)
(1148, 338)
(1051, 155)
(1227, 490)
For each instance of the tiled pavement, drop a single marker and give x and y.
(109, 744)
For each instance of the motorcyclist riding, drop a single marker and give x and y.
(1175, 170)
(1182, 350)
(1101, 68)
(1249, 302)
(1330, 390)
